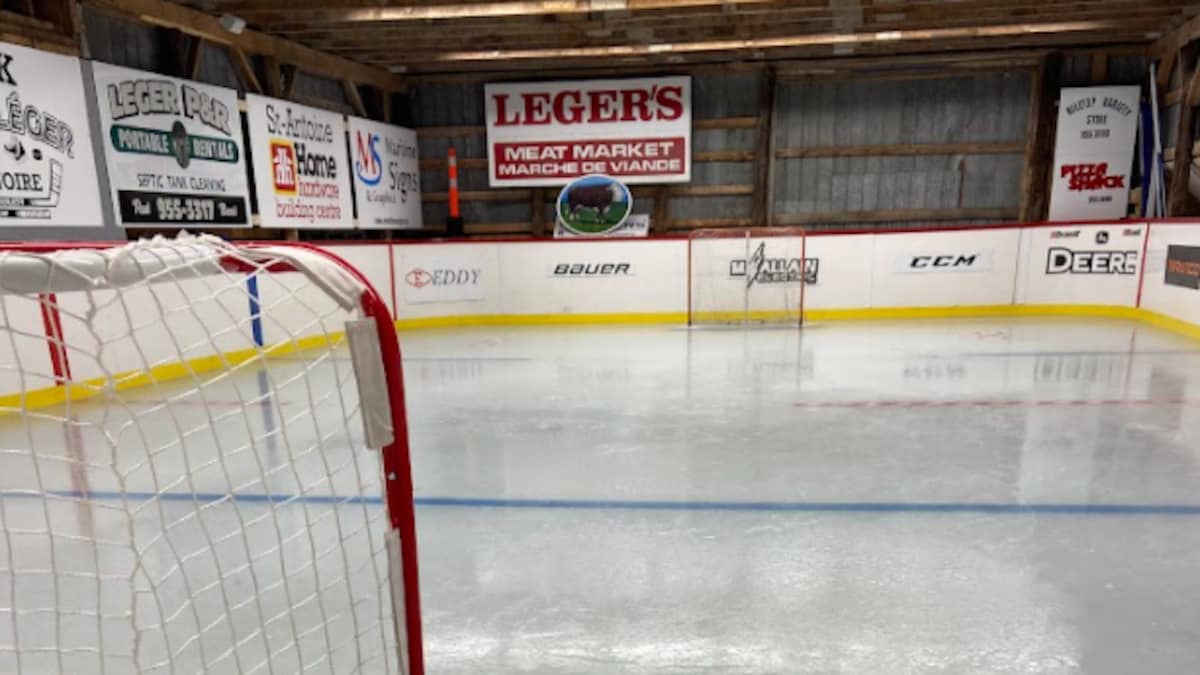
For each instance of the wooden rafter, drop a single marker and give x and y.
(198, 24)
(1179, 201)
(436, 36)
(354, 98)
(191, 62)
(245, 70)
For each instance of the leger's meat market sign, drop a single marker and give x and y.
(548, 133)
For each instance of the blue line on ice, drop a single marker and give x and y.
(652, 505)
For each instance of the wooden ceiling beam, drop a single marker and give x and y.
(818, 56)
(369, 44)
(298, 19)
(200, 25)
(1177, 38)
(938, 38)
(322, 11)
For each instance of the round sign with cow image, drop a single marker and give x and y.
(594, 205)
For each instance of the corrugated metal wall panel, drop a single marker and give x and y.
(120, 42)
(1128, 70)
(719, 96)
(447, 104)
(707, 208)
(856, 227)
(732, 94)
(1076, 71)
(722, 173)
(985, 108)
(329, 92)
(216, 68)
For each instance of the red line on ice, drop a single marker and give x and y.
(963, 403)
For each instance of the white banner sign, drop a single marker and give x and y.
(455, 273)
(301, 171)
(1093, 152)
(548, 133)
(387, 176)
(174, 149)
(636, 225)
(47, 168)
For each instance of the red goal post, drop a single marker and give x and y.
(751, 275)
(190, 428)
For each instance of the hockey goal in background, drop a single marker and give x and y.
(205, 464)
(748, 275)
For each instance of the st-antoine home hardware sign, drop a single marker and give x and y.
(637, 130)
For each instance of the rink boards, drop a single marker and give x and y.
(1108, 269)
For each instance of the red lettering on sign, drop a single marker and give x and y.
(537, 108)
(590, 106)
(1088, 177)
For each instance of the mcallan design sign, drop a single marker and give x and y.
(1183, 266)
(761, 269)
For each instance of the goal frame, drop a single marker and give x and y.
(748, 234)
(397, 482)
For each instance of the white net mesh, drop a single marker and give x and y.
(755, 275)
(184, 483)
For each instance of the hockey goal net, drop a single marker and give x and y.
(204, 464)
(747, 275)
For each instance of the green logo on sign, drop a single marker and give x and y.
(175, 143)
(594, 205)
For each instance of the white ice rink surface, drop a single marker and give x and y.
(967, 496)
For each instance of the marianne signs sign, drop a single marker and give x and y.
(550, 133)
(1093, 152)
(47, 169)
(387, 186)
(174, 149)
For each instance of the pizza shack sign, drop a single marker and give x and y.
(549, 133)
(1093, 152)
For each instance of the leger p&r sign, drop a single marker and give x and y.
(549, 133)
(174, 149)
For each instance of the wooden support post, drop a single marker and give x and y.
(1165, 67)
(80, 35)
(1099, 68)
(245, 70)
(177, 16)
(659, 220)
(289, 75)
(272, 85)
(354, 97)
(192, 60)
(386, 102)
(537, 211)
(763, 159)
(1179, 202)
(1039, 139)
(170, 50)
